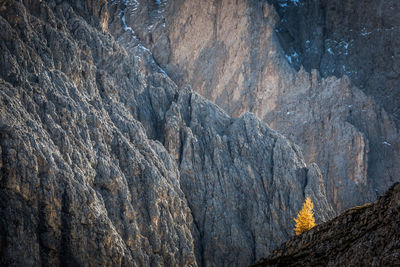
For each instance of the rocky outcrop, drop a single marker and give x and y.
(364, 235)
(106, 161)
(231, 171)
(247, 56)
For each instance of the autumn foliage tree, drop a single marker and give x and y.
(305, 219)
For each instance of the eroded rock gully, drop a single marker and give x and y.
(341, 108)
(106, 161)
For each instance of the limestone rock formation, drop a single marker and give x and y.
(367, 235)
(106, 161)
(247, 56)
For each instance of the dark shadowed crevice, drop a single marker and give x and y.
(66, 255)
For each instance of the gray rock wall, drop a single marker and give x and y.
(106, 161)
(247, 56)
(359, 39)
(243, 181)
(81, 182)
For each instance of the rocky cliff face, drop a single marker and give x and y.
(106, 161)
(81, 182)
(231, 171)
(359, 39)
(365, 235)
(341, 107)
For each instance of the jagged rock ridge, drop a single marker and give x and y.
(367, 235)
(247, 56)
(105, 161)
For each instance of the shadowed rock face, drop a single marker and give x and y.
(365, 235)
(246, 56)
(359, 39)
(106, 161)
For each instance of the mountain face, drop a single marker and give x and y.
(105, 160)
(366, 235)
(362, 44)
(323, 73)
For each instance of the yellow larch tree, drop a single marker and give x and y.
(305, 219)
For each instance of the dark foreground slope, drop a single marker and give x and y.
(106, 162)
(368, 235)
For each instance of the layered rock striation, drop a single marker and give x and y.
(363, 235)
(106, 161)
